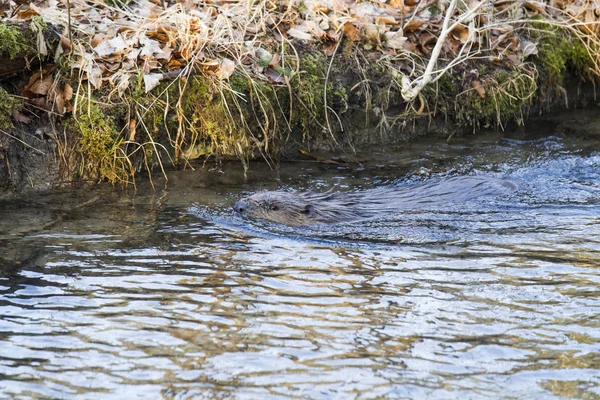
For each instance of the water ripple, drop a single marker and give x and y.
(159, 299)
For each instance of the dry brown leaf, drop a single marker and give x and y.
(274, 76)
(147, 10)
(503, 3)
(500, 40)
(68, 92)
(39, 102)
(426, 38)
(150, 64)
(175, 64)
(99, 38)
(132, 129)
(112, 67)
(42, 86)
(351, 32)
(329, 48)
(94, 76)
(480, 89)
(395, 40)
(149, 47)
(65, 43)
(209, 65)
(151, 81)
(57, 99)
(313, 28)
(34, 77)
(226, 68)
(591, 26)
(413, 25)
(574, 10)
(528, 48)
(165, 54)
(161, 37)
(20, 117)
(299, 34)
(386, 20)
(372, 33)
(274, 61)
(122, 81)
(28, 14)
(116, 45)
(461, 33)
(536, 6)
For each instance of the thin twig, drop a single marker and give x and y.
(22, 142)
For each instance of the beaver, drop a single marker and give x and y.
(308, 208)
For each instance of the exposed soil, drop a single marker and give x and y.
(25, 169)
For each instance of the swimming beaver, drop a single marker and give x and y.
(307, 208)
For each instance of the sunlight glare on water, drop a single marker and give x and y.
(169, 294)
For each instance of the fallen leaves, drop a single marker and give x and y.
(150, 38)
(299, 34)
(112, 47)
(478, 88)
(44, 91)
(226, 68)
(151, 81)
(40, 84)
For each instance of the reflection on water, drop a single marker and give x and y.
(167, 293)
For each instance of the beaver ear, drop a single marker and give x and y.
(309, 209)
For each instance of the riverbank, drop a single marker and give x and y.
(112, 89)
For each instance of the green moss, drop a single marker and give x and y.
(240, 83)
(507, 96)
(7, 105)
(309, 88)
(200, 116)
(558, 54)
(11, 40)
(99, 145)
(211, 119)
(39, 24)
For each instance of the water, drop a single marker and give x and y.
(113, 294)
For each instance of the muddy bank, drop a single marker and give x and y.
(31, 164)
(28, 163)
(31, 159)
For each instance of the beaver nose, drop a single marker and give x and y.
(240, 206)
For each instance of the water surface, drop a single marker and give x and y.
(113, 294)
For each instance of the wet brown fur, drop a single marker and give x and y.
(307, 208)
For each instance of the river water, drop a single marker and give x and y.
(166, 293)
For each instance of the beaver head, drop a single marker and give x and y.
(297, 209)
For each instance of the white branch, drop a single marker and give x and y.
(410, 90)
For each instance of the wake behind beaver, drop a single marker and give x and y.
(308, 208)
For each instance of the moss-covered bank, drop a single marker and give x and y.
(289, 96)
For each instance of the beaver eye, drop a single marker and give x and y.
(273, 207)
